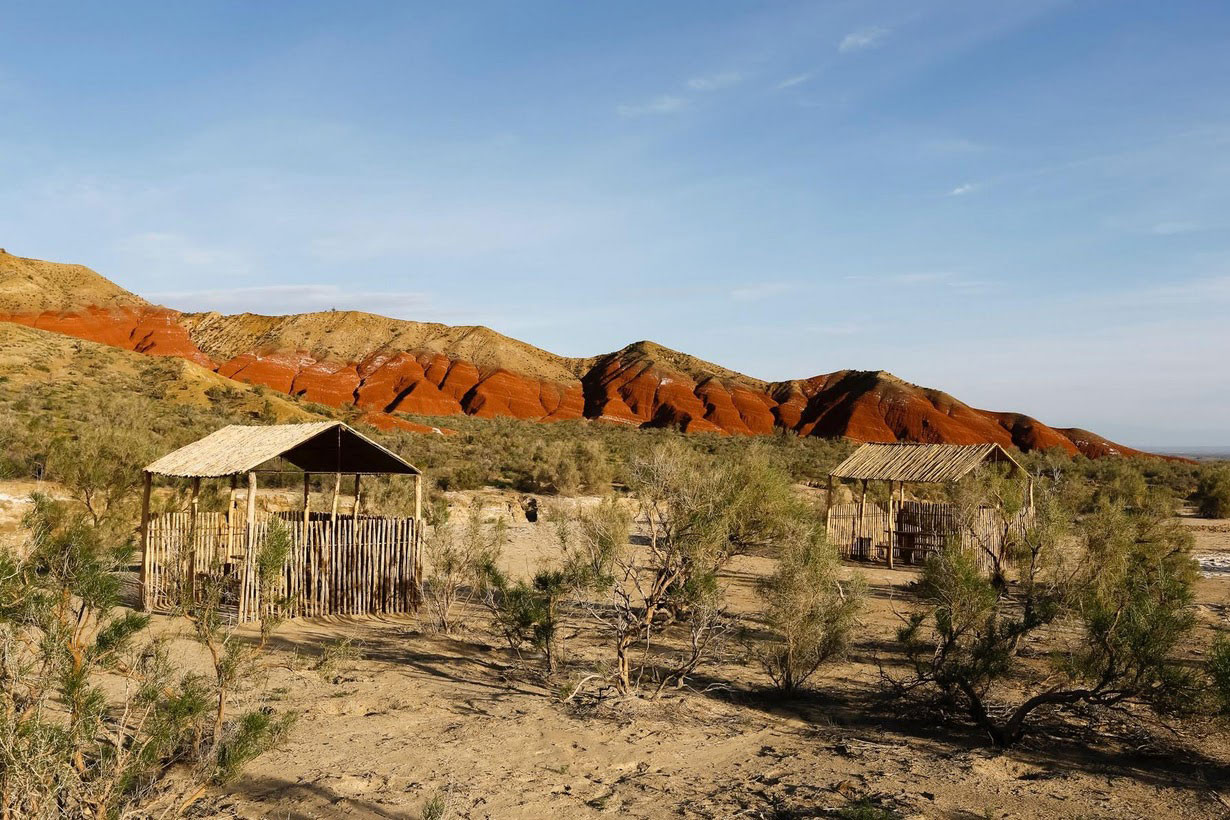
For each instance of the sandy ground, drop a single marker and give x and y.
(419, 714)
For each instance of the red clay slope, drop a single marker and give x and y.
(385, 366)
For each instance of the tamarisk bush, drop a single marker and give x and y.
(1128, 597)
(693, 514)
(532, 613)
(70, 744)
(460, 563)
(809, 610)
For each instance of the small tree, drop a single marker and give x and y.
(235, 663)
(101, 468)
(1219, 673)
(695, 514)
(1130, 598)
(1213, 492)
(460, 563)
(93, 718)
(809, 610)
(531, 613)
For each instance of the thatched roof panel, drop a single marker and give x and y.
(920, 463)
(316, 447)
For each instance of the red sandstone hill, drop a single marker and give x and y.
(390, 366)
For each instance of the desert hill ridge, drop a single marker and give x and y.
(384, 365)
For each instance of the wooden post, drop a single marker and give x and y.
(248, 564)
(418, 496)
(337, 490)
(193, 504)
(891, 524)
(145, 554)
(1031, 494)
(303, 553)
(230, 520)
(307, 504)
(890, 535)
(356, 554)
(858, 529)
(828, 510)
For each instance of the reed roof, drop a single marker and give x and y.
(920, 463)
(316, 447)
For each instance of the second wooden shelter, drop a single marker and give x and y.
(909, 531)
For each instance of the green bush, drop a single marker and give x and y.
(1219, 672)
(1130, 597)
(809, 610)
(73, 743)
(1213, 492)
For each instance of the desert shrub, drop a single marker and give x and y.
(1129, 599)
(530, 613)
(808, 609)
(460, 563)
(333, 654)
(72, 742)
(695, 514)
(269, 561)
(236, 664)
(1219, 673)
(1213, 492)
(101, 467)
(1118, 482)
(564, 468)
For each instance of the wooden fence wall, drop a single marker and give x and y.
(920, 529)
(334, 567)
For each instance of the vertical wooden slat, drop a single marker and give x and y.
(147, 488)
(247, 581)
(891, 521)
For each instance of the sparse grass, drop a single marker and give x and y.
(866, 809)
(335, 653)
(436, 807)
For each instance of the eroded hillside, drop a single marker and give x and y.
(386, 366)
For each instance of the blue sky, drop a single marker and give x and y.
(1026, 204)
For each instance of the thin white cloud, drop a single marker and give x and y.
(843, 329)
(963, 189)
(862, 39)
(753, 293)
(955, 145)
(1172, 228)
(714, 82)
(298, 298)
(797, 79)
(945, 279)
(176, 252)
(665, 104)
(1206, 292)
(920, 277)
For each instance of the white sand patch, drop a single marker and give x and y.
(1213, 564)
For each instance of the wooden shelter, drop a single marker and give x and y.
(337, 564)
(910, 531)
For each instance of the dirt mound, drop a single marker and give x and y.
(385, 366)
